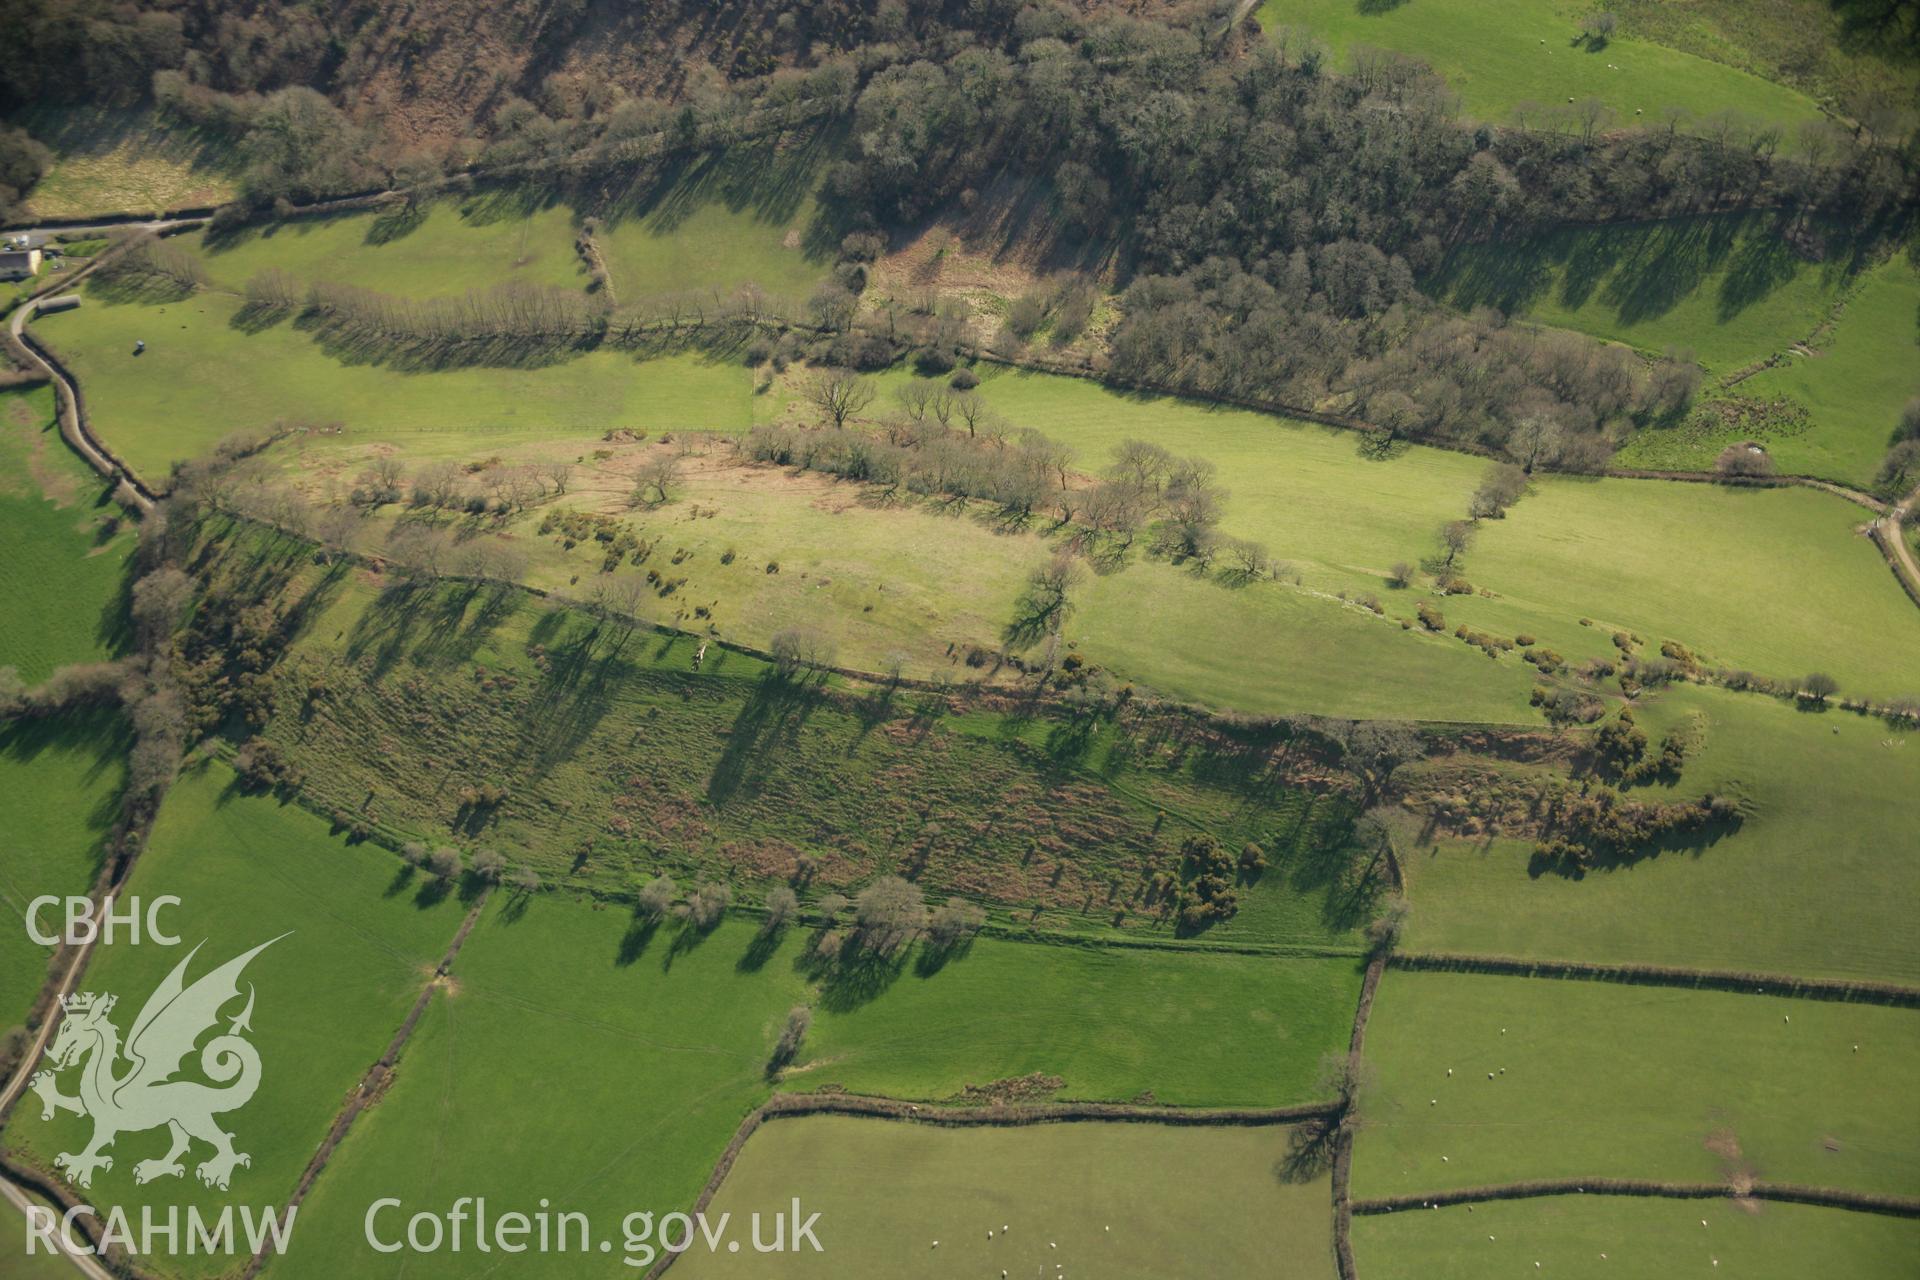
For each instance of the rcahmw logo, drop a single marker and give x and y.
(146, 1094)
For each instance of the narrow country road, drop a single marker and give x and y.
(29, 1064)
(1894, 540)
(73, 427)
(101, 228)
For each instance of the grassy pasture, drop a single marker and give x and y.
(1856, 385)
(656, 1062)
(1572, 548)
(1107, 1200)
(1607, 1238)
(63, 574)
(1838, 53)
(1608, 1080)
(1160, 1022)
(663, 1038)
(1498, 54)
(448, 247)
(1826, 798)
(1700, 564)
(927, 579)
(329, 997)
(202, 378)
(1728, 288)
(722, 220)
(61, 782)
(111, 160)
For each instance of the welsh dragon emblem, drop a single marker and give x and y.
(145, 1094)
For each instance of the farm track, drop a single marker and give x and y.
(1890, 532)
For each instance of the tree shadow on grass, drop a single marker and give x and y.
(433, 891)
(403, 878)
(258, 317)
(99, 734)
(760, 950)
(931, 957)
(850, 976)
(775, 711)
(1311, 1147)
(635, 941)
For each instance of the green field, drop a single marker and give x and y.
(1852, 388)
(662, 1041)
(1807, 885)
(1498, 54)
(550, 1069)
(1608, 1238)
(329, 997)
(1572, 548)
(1109, 1022)
(1080, 1199)
(1607, 1080)
(1729, 289)
(1824, 49)
(63, 574)
(1697, 563)
(929, 579)
(447, 247)
(725, 220)
(61, 780)
(1857, 384)
(201, 379)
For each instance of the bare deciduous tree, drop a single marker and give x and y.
(657, 896)
(890, 914)
(838, 393)
(654, 482)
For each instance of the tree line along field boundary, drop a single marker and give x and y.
(1343, 1139)
(1787, 1192)
(1731, 981)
